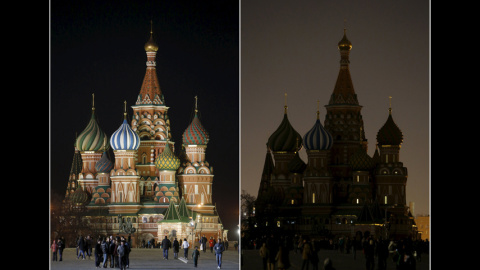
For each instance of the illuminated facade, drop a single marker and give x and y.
(164, 195)
(341, 190)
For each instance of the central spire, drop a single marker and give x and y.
(343, 93)
(150, 93)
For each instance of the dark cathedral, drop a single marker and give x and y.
(340, 190)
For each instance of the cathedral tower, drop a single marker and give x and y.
(125, 179)
(91, 144)
(343, 119)
(150, 120)
(390, 175)
(195, 177)
(284, 143)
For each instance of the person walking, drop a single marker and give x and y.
(282, 258)
(176, 247)
(61, 246)
(185, 246)
(369, 251)
(98, 252)
(104, 247)
(112, 251)
(81, 247)
(264, 255)
(121, 255)
(382, 254)
(127, 252)
(115, 253)
(165, 245)
(195, 255)
(211, 243)
(219, 249)
(204, 244)
(306, 253)
(54, 250)
(88, 246)
(314, 254)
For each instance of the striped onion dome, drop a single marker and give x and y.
(361, 161)
(125, 138)
(390, 134)
(317, 138)
(284, 138)
(80, 196)
(167, 160)
(92, 137)
(104, 165)
(195, 134)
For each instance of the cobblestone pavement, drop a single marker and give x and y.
(341, 261)
(152, 259)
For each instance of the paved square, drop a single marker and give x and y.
(152, 259)
(341, 261)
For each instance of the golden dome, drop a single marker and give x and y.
(344, 44)
(151, 46)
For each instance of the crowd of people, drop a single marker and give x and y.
(114, 252)
(274, 251)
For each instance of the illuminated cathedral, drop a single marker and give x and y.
(146, 184)
(340, 190)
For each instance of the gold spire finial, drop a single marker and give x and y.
(151, 27)
(318, 109)
(125, 109)
(93, 101)
(196, 99)
(390, 105)
(286, 107)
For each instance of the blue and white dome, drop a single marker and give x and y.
(125, 138)
(318, 138)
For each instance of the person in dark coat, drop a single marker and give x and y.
(121, 255)
(166, 244)
(176, 248)
(105, 250)
(81, 247)
(112, 252)
(61, 246)
(369, 250)
(88, 246)
(195, 256)
(98, 253)
(204, 243)
(219, 249)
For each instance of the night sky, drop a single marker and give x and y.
(291, 46)
(98, 47)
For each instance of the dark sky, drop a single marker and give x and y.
(291, 46)
(98, 47)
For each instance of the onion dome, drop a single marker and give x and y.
(92, 137)
(167, 160)
(80, 196)
(344, 44)
(125, 138)
(296, 165)
(361, 161)
(390, 134)
(318, 138)
(285, 138)
(151, 46)
(104, 165)
(195, 134)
